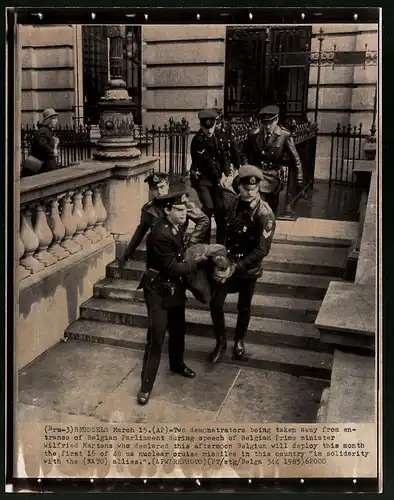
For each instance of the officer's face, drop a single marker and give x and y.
(177, 215)
(160, 189)
(248, 192)
(269, 126)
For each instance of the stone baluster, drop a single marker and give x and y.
(44, 235)
(21, 272)
(30, 242)
(81, 220)
(58, 230)
(91, 217)
(101, 212)
(70, 225)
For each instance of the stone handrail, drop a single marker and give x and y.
(63, 212)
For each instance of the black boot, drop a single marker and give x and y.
(143, 397)
(239, 350)
(220, 349)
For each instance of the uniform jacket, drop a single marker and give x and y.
(209, 160)
(228, 143)
(249, 232)
(151, 212)
(42, 148)
(269, 155)
(166, 265)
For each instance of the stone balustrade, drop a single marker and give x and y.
(55, 225)
(63, 212)
(73, 222)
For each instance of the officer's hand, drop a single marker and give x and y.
(223, 181)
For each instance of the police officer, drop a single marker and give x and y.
(227, 141)
(250, 227)
(265, 148)
(153, 210)
(164, 292)
(209, 170)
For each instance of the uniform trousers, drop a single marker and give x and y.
(212, 204)
(245, 288)
(160, 320)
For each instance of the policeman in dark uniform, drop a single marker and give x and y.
(227, 140)
(209, 170)
(153, 211)
(164, 292)
(265, 148)
(250, 227)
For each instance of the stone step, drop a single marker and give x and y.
(267, 306)
(267, 331)
(294, 361)
(300, 259)
(271, 283)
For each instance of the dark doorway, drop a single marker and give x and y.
(267, 66)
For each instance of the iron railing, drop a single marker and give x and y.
(74, 143)
(346, 148)
(169, 143)
(305, 139)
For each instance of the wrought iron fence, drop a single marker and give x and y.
(170, 143)
(74, 143)
(305, 139)
(346, 149)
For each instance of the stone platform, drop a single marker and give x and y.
(85, 382)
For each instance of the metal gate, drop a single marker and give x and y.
(267, 66)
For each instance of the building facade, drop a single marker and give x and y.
(327, 74)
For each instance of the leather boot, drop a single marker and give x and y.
(220, 349)
(143, 397)
(239, 349)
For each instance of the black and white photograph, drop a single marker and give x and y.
(196, 211)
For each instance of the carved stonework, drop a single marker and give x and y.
(117, 124)
(119, 94)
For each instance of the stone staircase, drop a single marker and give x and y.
(282, 336)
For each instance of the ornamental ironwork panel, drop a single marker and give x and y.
(267, 66)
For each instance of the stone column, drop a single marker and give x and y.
(126, 192)
(116, 120)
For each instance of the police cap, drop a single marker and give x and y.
(207, 117)
(269, 113)
(249, 174)
(176, 198)
(155, 178)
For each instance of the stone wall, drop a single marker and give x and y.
(347, 93)
(51, 71)
(183, 71)
(47, 305)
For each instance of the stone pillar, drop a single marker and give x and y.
(126, 192)
(116, 120)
